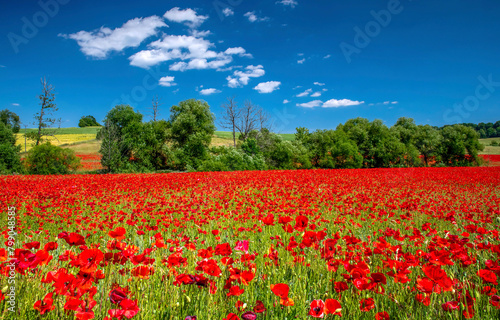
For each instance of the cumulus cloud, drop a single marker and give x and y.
(15, 104)
(327, 56)
(207, 92)
(334, 103)
(99, 43)
(286, 101)
(241, 78)
(252, 17)
(319, 84)
(267, 87)
(196, 51)
(291, 3)
(316, 94)
(228, 12)
(167, 81)
(187, 16)
(304, 94)
(301, 61)
(311, 104)
(238, 51)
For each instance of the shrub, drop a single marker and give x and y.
(494, 143)
(9, 152)
(49, 159)
(231, 159)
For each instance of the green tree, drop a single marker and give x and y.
(460, 145)
(43, 119)
(49, 159)
(428, 141)
(11, 120)
(9, 153)
(88, 121)
(116, 151)
(191, 127)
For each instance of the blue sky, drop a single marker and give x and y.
(313, 63)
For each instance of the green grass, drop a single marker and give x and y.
(87, 130)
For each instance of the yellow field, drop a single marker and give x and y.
(57, 140)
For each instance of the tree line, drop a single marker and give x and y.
(183, 142)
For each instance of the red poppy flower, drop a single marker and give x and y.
(232, 316)
(45, 305)
(488, 276)
(450, 305)
(495, 301)
(73, 239)
(89, 260)
(340, 287)
(317, 308)
(235, 291)
(332, 306)
(118, 233)
(301, 223)
(382, 316)
(249, 315)
(117, 295)
(366, 304)
(259, 307)
(281, 290)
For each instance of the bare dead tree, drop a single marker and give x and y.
(264, 119)
(155, 108)
(248, 119)
(230, 116)
(43, 119)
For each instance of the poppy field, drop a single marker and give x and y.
(415, 243)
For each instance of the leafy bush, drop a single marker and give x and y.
(9, 152)
(49, 159)
(494, 143)
(231, 159)
(88, 121)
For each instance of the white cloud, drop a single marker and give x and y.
(252, 17)
(304, 94)
(301, 61)
(241, 78)
(311, 104)
(394, 102)
(319, 84)
(327, 56)
(239, 51)
(167, 81)
(297, 87)
(187, 16)
(197, 51)
(316, 94)
(99, 43)
(228, 12)
(334, 103)
(207, 92)
(267, 87)
(291, 3)
(286, 101)
(16, 104)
